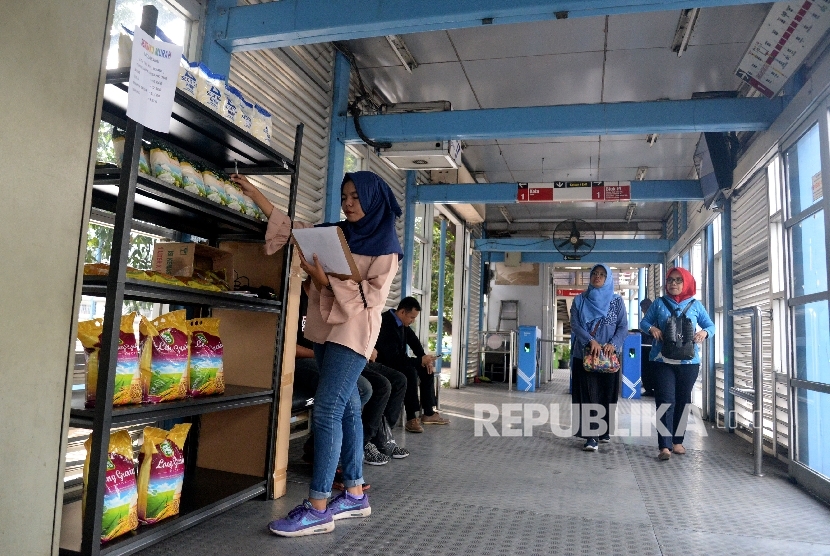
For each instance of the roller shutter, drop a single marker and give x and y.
(751, 287)
(472, 314)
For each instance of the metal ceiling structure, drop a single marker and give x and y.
(541, 91)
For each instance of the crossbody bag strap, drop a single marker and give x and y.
(672, 310)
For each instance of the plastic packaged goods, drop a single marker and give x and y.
(245, 114)
(236, 201)
(192, 178)
(261, 124)
(214, 187)
(161, 472)
(251, 209)
(187, 77)
(120, 513)
(206, 374)
(165, 164)
(118, 141)
(164, 354)
(210, 88)
(127, 388)
(230, 107)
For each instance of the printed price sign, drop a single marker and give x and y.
(154, 70)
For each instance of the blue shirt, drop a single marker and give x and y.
(657, 315)
(397, 320)
(583, 332)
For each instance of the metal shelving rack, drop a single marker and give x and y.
(206, 136)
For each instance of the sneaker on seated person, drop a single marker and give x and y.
(392, 450)
(372, 456)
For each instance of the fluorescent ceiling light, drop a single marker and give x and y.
(503, 210)
(573, 268)
(402, 52)
(480, 177)
(641, 173)
(683, 33)
(629, 212)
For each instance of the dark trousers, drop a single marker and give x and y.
(589, 393)
(389, 387)
(416, 374)
(673, 386)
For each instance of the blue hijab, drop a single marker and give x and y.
(374, 234)
(596, 302)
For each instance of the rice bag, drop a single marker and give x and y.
(127, 388)
(164, 353)
(205, 375)
(235, 202)
(245, 114)
(187, 77)
(214, 186)
(165, 164)
(192, 178)
(210, 88)
(261, 124)
(161, 472)
(120, 513)
(231, 104)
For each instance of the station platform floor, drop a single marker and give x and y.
(460, 494)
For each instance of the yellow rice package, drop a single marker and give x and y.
(206, 376)
(127, 388)
(161, 472)
(120, 513)
(165, 351)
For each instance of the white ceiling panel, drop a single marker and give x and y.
(557, 156)
(537, 80)
(485, 159)
(728, 24)
(530, 39)
(647, 30)
(639, 153)
(657, 73)
(441, 82)
(430, 48)
(373, 52)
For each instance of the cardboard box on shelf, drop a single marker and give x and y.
(179, 259)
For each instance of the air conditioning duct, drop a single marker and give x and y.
(437, 155)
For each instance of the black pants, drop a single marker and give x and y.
(592, 394)
(388, 390)
(416, 374)
(673, 386)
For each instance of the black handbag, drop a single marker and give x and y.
(678, 334)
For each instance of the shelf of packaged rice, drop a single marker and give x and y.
(143, 290)
(196, 128)
(173, 207)
(234, 397)
(205, 493)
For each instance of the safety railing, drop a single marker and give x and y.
(755, 395)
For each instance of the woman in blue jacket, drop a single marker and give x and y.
(675, 379)
(598, 323)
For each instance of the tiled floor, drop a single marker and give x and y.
(459, 493)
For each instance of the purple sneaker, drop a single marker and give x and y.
(303, 520)
(344, 505)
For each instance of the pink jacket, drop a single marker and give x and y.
(338, 315)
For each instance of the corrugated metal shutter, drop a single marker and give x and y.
(670, 220)
(472, 314)
(295, 86)
(751, 286)
(655, 281)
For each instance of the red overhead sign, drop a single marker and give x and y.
(563, 292)
(528, 194)
(558, 191)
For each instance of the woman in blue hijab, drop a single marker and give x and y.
(598, 323)
(343, 322)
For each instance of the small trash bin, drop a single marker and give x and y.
(631, 366)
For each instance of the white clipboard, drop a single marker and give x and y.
(329, 244)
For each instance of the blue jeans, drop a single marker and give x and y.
(673, 385)
(338, 429)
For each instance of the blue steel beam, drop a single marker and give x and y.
(501, 193)
(408, 234)
(611, 258)
(295, 22)
(337, 148)
(214, 55)
(545, 245)
(571, 120)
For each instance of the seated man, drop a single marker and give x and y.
(395, 336)
(388, 388)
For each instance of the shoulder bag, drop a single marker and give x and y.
(600, 363)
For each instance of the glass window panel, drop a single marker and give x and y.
(128, 13)
(417, 279)
(351, 162)
(809, 255)
(813, 422)
(812, 342)
(719, 337)
(774, 181)
(776, 256)
(420, 211)
(803, 169)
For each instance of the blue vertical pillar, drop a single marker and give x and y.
(214, 55)
(337, 133)
(441, 275)
(710, 308)
(409, 233)
(728, 321)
